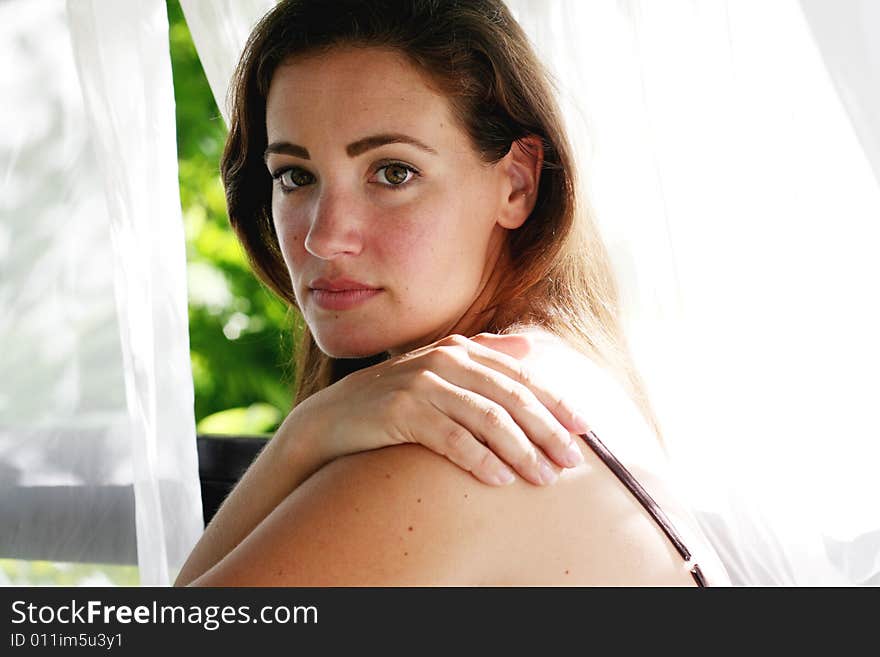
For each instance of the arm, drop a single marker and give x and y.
(441, 396)
(289, 458)
(379, 518)
(403, 516)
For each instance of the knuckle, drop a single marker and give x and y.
(466, 399)
(441, 356)
(527, 461)
(456, 440)
(493, 418)
(520, 396)
(559, 438)
(456, 340)
(485, 463)
(527, 340)
(423, 379)
(523, 374)
(560, 406)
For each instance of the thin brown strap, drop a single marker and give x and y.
(698, 575)
(625, 476)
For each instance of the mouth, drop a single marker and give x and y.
(341, 295)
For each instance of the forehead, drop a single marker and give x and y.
(351, 92)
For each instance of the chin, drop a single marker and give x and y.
(351, 346)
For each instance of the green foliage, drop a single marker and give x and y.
(240, 345)
(255, 419)
(53, 573)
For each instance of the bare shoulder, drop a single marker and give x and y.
(587, 529)
(405, 516)
(398, 516)
(434, 524)
(401, 515)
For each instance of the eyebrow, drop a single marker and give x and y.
(353, 150)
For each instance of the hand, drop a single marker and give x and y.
(470, 400)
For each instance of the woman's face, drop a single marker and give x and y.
(386, 217)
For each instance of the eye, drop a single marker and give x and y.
(292, 179)
(396, 175)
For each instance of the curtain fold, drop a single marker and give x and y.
(219, 30)
(850, 49)
(124, 67)
(97, 435)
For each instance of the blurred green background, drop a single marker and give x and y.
(240, 345)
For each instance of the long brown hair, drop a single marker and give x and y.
(478, 56)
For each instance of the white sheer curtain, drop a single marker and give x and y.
(732, 179)
(850, 48)
(219, 30)
(97, 435)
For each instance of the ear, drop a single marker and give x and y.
(521, 168)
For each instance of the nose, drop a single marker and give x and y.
(334, 228)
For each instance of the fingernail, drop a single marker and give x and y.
(548, 476)
(573, 455)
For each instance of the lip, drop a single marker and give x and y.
(341, 293)
(339, 284)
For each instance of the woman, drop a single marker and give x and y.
(398, 171)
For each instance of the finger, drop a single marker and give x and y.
(493, 425)
(520, 403)
(454, 340)
(517, 345)
(553, 438)
(446, 437)
(493, 353)
(450, 439)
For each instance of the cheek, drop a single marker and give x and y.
(435, 248)
(407, 241)
(412, 243)
(291, 234)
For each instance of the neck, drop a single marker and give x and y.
(478, 315)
